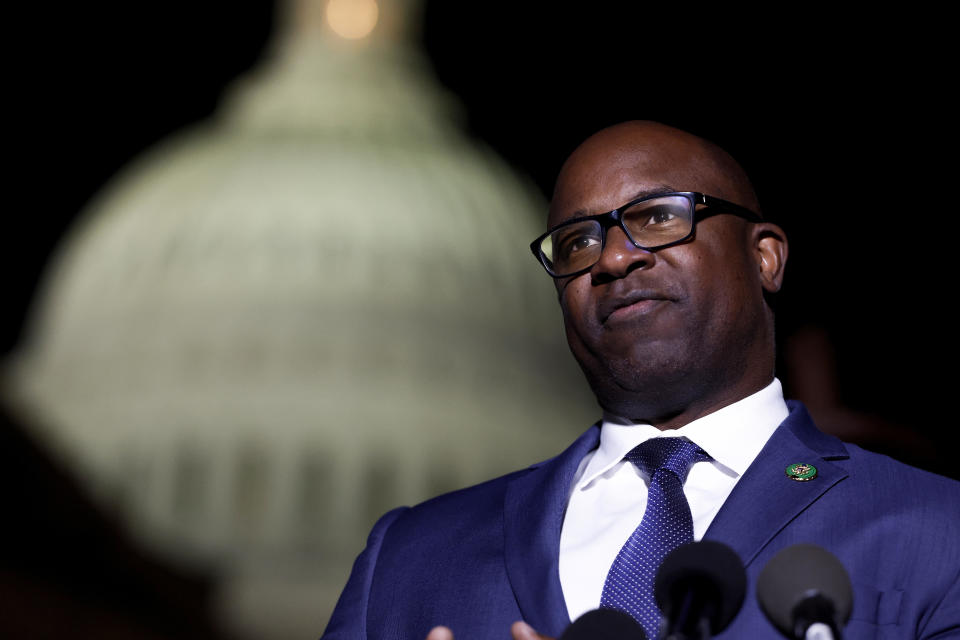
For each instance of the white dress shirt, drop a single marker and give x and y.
(609, 494)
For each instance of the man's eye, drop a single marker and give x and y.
(583, 243)
(653, 220)
(661, 215)
(575, 244)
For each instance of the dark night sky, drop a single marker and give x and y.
(839, 119)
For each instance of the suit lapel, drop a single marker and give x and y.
(533, 516)
(765, 500)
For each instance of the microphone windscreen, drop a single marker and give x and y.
(798, 573)
(604, 624)
(710, 570)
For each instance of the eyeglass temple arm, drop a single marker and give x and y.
(720, 203)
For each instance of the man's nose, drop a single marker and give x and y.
(620, 256)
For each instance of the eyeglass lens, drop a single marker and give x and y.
(651, 223)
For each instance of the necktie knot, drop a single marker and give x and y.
(676, 455)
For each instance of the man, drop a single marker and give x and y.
(673, 329)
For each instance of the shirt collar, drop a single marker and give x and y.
(732, 435)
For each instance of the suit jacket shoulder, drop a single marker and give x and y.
(896, 529)
(475, 560)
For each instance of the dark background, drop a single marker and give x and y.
(843, 121)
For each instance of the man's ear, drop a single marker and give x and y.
(770, 245)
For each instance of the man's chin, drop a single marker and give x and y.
(635, 391)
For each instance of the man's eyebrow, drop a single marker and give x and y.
(655, 190)
(642, 193)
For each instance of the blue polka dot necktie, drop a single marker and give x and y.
(666, 524)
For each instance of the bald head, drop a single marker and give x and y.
(642, 147)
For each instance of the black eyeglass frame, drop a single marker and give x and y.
(712, 206)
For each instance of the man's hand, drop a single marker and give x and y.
(440, 633)
(519, 630)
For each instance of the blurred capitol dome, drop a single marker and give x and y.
(274, 327)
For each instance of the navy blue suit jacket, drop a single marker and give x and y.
(478, 559)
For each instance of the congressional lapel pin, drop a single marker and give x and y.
(801, 471)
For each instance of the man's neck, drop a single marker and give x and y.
(699, 408)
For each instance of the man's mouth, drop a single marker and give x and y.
(632, 304)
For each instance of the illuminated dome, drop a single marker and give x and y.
(275, 326)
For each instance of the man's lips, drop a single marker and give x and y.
(638, 301)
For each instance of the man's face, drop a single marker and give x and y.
(657, 332)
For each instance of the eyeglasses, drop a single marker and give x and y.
(651, 222)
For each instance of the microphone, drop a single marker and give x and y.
(699, 587)
(604, 624)
(806, 593)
